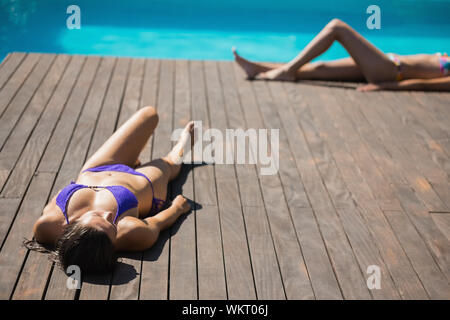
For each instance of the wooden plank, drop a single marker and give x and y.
(325, 165)
(296, 280)
(397, 149)
(442, 220)
(208, 219)
(291, 263)
(436, 106)
(76, 155)
(9, 66)
(19, 103)
(84, 126)
(75, 106)
(183, 244)
(73, 161)
(211, 273)
(148, 98)
(125, 278)
(15, 82)
(13, 252)
(429, 157)
(431, 277)
(437, 243)
(333, 150)
(344, 142)
(9, 208)
(237, 260)
(443, 190)
(425, 117)
(40, 136)
(97, 287)
(212, 280)
(37, 143)
(125, 281)
(365, 151)
(323, 279)
(368, 255)
(151, 81)
(57, 286)
(59, 140)
(410, 200)
(18, 138)
(33, 278)
(132, 96)
(238, 266)
(53, 156)
(388, 168)
(34, 148)
(109, 114)
(346, 267)
(399, 193)
(69, 118)
(155, 262)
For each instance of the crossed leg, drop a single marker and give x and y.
(366, 59)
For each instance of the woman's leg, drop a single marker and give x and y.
(338, 70)
(253, 68)
(373, 63)
(342, 69)
(163, 170)
(125, 145)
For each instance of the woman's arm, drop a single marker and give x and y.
(45, 229)
(437, 84)
(138, 235)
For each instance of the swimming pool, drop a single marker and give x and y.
(206, 29)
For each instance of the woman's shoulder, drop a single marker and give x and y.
(134, 234)
(129, 223)
(47, 228)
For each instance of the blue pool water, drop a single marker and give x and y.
(264, 30)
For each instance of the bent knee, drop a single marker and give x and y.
(337, 25)
(150, 113)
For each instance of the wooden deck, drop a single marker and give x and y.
(363, 180)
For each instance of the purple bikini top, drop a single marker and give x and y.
(125, 198)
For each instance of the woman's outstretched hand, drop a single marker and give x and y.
(181, 204)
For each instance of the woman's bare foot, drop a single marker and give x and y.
(281, 74)
(250, 68)
(187, 137)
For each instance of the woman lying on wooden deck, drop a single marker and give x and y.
(366, 62)
(116, 204)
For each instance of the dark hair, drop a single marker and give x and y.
(87, 247)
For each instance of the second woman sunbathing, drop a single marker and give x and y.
(115, 204)
(366, 62)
